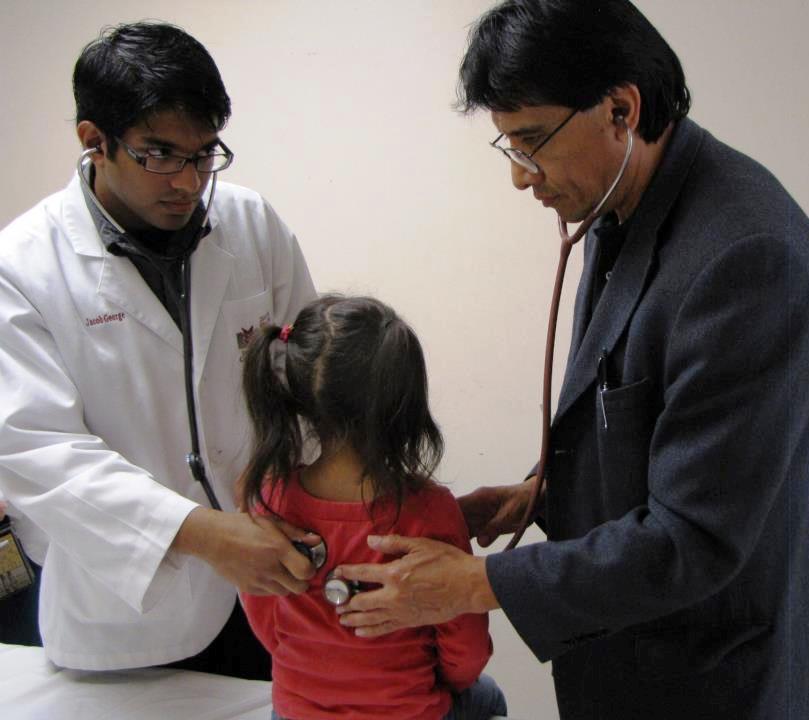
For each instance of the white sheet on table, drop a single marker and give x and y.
(32, 688)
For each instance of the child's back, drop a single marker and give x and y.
(322, 669)
(352, 373)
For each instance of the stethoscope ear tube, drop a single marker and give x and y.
(567, 244)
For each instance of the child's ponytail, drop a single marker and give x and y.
(277, 444)
(401, 443)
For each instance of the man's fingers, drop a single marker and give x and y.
(358, 618)
(363, 573)
(392, 544)
(377, 630)
(295, 533)
(298, 567)
(269, 588)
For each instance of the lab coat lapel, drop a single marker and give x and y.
(122, 284)
(211, 268)
(119, 281)
(632, 268)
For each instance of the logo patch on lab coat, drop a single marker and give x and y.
(104, 319)
(246, 335)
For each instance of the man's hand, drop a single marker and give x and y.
(255, 553)
(492, 511)
(432, 583)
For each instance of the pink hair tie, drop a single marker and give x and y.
(285, 331)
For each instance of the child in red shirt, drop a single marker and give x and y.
(351, 374)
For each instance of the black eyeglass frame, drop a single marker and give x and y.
(526, 160)
(143, 158)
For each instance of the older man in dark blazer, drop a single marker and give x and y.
(675, 579)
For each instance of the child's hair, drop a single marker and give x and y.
(353, 372)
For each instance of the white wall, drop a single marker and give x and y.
(342, 119)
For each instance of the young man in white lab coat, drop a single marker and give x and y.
(97, 283)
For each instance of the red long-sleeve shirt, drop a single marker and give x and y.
(322, 669)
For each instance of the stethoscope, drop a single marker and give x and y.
(337, 591)
(194, 458)
(568, 241)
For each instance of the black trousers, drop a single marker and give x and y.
(235, 652)
(19, 614)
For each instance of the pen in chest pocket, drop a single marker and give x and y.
(603, 382)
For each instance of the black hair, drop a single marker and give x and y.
(134, 70)
(354, 373)
(525, 53)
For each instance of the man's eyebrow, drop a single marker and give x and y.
(529, 130)
(157, 141)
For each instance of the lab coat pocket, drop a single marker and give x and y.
(625, 420)
(245, 317)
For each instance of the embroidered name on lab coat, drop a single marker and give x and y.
(104, 319)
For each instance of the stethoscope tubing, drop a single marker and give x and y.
(566, 246)
(193, 459)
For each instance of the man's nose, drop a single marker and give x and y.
(188, 179)
(522, 178)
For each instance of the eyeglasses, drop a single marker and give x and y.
(157, 161)
(525, 159)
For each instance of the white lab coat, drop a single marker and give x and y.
(93, 422)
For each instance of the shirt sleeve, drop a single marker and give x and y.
(103, 511)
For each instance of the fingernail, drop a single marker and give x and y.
(374, 540)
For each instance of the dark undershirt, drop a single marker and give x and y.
(610, 237)
(156, 254)
(160, 267)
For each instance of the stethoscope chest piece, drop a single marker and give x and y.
(338, 591)
(317, 555)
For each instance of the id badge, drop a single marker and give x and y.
(15, 572)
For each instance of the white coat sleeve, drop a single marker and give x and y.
(110, 516)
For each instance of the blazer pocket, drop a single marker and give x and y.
(625, 421)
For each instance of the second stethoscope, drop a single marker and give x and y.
(568, 241)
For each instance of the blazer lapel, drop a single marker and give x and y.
(632, 268)
(581, 312)
(612, 314)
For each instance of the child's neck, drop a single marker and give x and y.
(337, 475)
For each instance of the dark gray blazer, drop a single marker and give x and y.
(676, 580)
